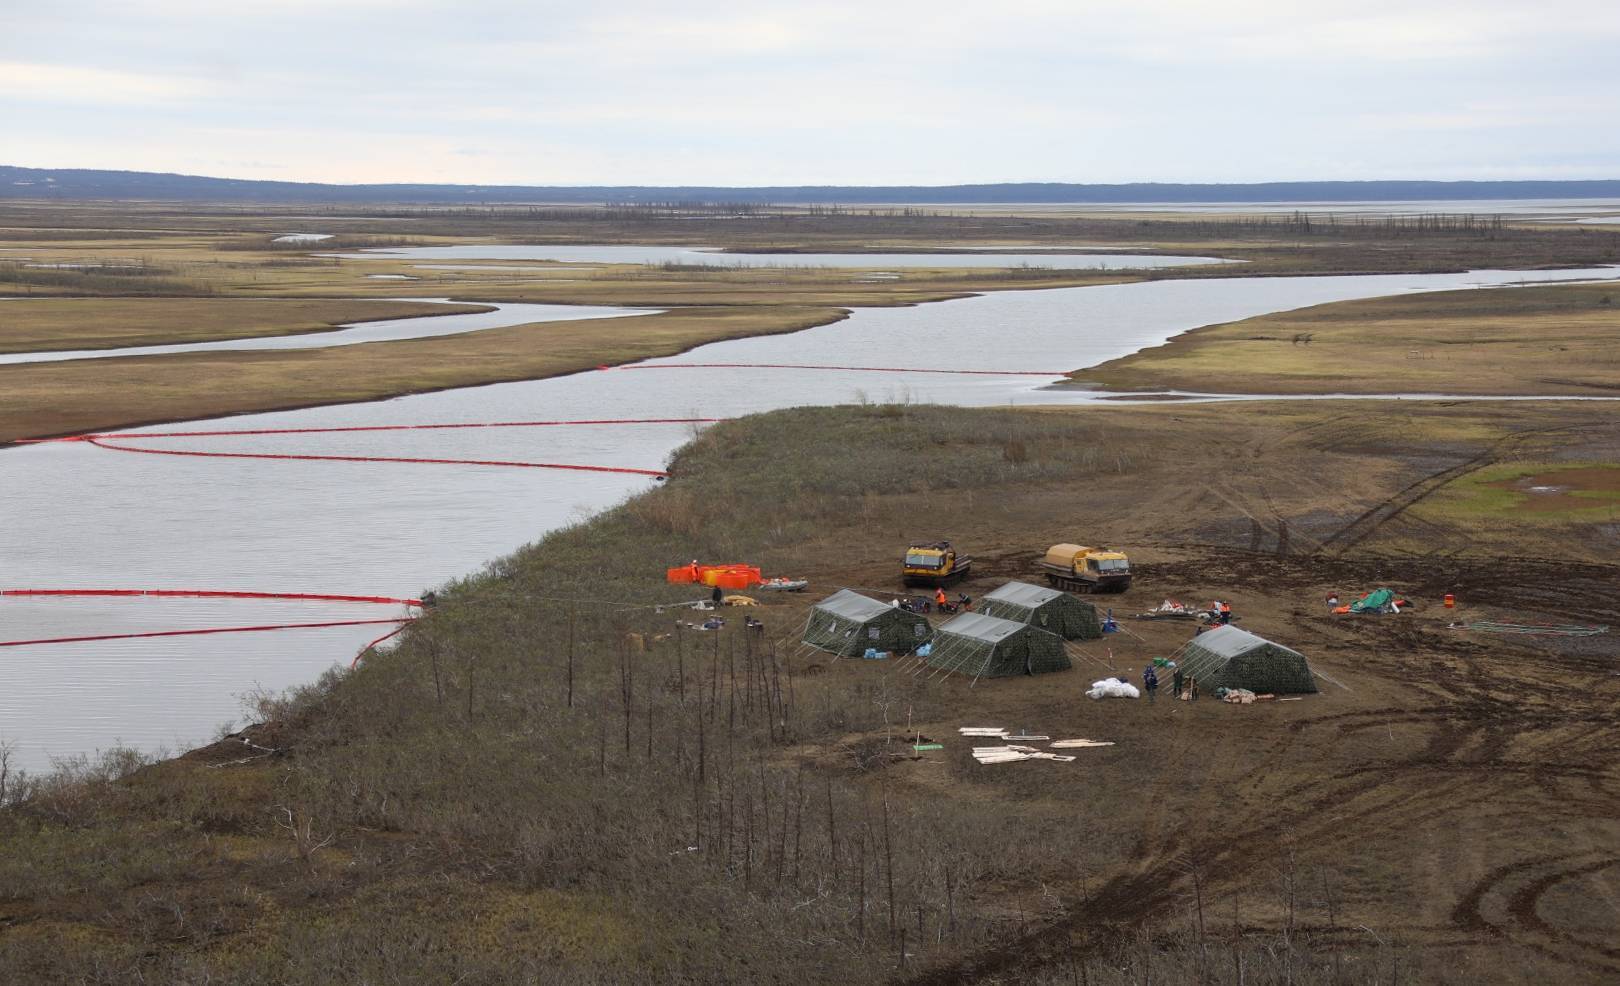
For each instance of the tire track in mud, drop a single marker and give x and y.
(1520, 886)
(1375, 517)
(1487, 732)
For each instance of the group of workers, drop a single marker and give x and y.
(1182, 685)
(941, 602)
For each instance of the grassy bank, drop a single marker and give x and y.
(34, 325)
(1554, 339)
(546, 783)
(42, 399)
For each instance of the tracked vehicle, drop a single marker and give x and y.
(934, 563)
(1078, 568)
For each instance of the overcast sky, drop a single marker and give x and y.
(825, 92)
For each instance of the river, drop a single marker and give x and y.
(355, 333)
(81, 516)
(619, 254)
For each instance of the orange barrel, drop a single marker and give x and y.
(678, 575)
(1451, 601)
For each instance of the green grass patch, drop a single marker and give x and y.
(1563, 491)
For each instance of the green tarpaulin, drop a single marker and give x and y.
(1378, 601)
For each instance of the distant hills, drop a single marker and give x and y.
(75, 183)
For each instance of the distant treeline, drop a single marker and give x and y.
(71, 183)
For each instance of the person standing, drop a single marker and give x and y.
(1176, 682)
(1192, 688)
(1150, 681)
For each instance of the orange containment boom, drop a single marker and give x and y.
(722, 576)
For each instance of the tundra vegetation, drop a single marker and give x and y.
(549, 780)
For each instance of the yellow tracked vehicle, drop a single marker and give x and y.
(934, 563)
(1082, 569)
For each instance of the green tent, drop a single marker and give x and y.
(1232, 658)
(848, 624)
(988, 647)
(1051, 610)
(1377, 601)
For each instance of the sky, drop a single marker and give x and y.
(825, 92)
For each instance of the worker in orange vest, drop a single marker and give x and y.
(694, 570)
(1226, 612)
(939, 597)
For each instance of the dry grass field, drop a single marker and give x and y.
(29, 325)
(1554, 339)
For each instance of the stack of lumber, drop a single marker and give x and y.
(1013, 754)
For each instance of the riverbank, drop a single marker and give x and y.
(1552, 339)
(40, 400)
(539, 765)
(33, 325)
(219, 268)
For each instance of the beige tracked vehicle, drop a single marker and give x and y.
(1078, 568)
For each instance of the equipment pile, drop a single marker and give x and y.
(1171, 609)
(1112, 688)
(1010, 752)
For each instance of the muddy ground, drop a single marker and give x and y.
(1450, 800)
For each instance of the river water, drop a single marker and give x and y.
(80, 516)
(587, 254)
(386, 330)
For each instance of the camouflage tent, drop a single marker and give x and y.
(1232, 658)
(1051, 610)
(988, 647)
(848, 624)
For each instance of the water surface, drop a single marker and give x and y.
(386, 330)
(573, 253)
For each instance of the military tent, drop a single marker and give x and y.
(1051, 610)
(989, 647)
(848, 624)
(1232, 658)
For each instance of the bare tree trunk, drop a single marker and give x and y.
(1333, 921)
(1203, 949)
(888, 859)
(680, 660)
(832, 834)
(572, 613)
(1237, 952)
(798, 824)
(438, 680)
(860, 913)
(1288, 931)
